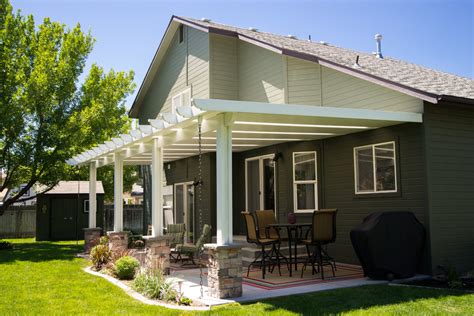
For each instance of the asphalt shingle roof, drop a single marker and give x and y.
(396, 71)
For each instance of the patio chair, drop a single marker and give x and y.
(265, 218)
(323, 232)
(192, 250)
(175, 233)
(253, 237)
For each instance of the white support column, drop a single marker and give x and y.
(118, 192)
(92, 194)
(224, 181)
(157, 189)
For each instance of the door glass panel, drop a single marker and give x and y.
(190, 212)
(253, 186)
(179, 204)
(268, 184)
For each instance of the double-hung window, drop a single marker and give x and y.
(305, 184)
(181, 99)
(375, 168)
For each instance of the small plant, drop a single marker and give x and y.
(104, 240)
(5, 245)
(185, 301)
(100, 256)
(153, 284)
(126, 267)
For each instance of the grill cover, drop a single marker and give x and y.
(389, 243)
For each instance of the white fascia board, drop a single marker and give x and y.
(305, 110)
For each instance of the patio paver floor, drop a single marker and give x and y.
(191, 287)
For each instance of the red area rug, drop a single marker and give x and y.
(274, 281)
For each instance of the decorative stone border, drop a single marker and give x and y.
(141, 298)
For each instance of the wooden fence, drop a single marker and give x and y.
(18, 222)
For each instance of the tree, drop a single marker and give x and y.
(47, 116)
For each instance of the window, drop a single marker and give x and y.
(181, 99)
(305, 185)
(181, 33)
(375, 168)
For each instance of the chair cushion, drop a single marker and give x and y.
(267, 240)
(187, 248)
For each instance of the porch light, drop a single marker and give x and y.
(300, 125)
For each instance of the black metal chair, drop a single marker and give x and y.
(323, 232)
(253, 236)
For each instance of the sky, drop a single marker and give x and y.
(436, 34)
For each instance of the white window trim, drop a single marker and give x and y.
(180, 95)
(314, 182)
(372, 146)
(85, 208)
(262, 185)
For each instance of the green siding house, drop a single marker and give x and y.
(295, 126)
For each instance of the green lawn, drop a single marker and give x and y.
(46, 278)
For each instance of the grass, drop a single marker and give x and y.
(47, 278)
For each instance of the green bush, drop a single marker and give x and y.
(104, 240)
(125, 267)
(100, 256)
(4, 245)
(154, 285)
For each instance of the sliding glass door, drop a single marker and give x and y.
(260, 178)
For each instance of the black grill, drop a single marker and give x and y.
(389, 244)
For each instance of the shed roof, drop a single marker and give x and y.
(71, 187)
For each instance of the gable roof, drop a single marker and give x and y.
(415, 80)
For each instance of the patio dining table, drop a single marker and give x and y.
(292, 231)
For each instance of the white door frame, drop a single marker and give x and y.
(261, 184)
(185, 206)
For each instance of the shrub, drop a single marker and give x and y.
(100, 256)
(185, 301)
(153, 284)
(4, 245)
(125, 267)
(104, 240)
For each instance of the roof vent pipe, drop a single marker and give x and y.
(378, 40)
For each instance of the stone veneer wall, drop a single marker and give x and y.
(224, 271)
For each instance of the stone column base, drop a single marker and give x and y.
(91, 238)
(118, 242)
(224, 277)
(157, 253)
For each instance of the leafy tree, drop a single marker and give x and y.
(47, 116)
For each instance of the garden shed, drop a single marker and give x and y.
(63, 212)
